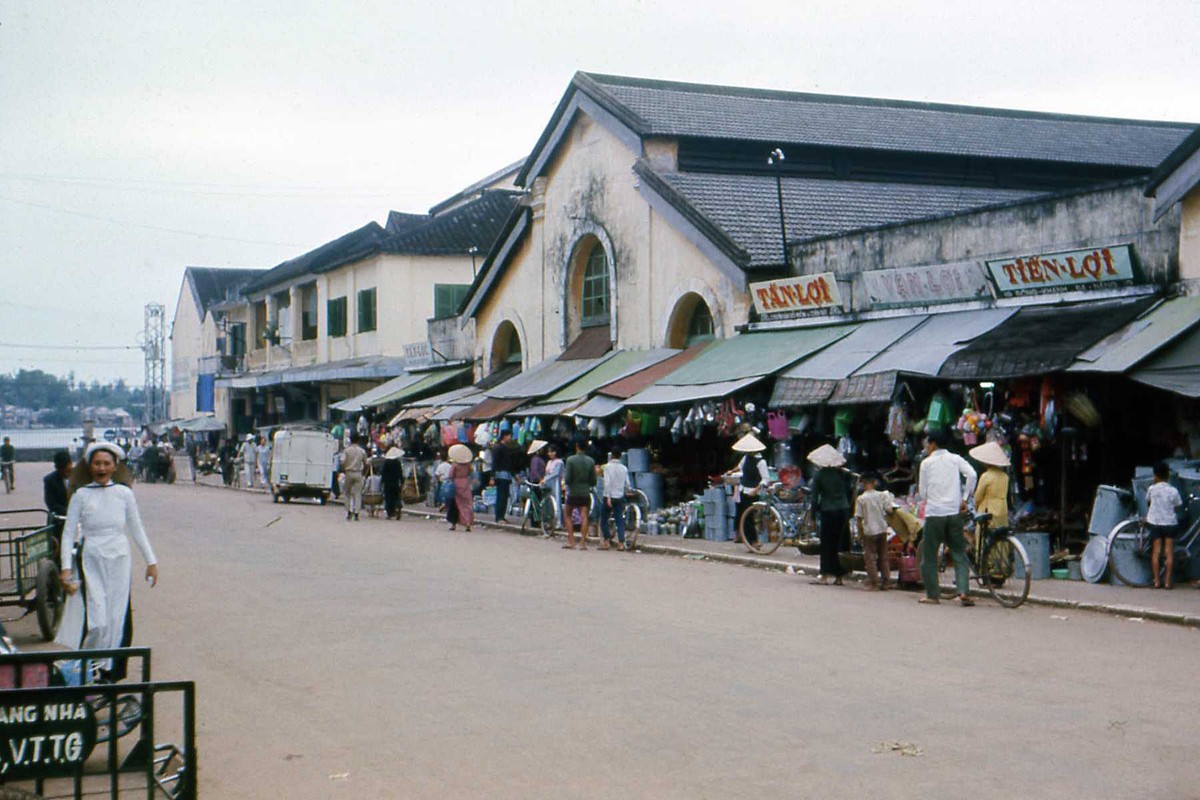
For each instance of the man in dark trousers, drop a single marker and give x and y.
(54, 491)
(506, 456)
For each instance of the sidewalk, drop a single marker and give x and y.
(1180, 606)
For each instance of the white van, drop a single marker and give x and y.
(301, 464)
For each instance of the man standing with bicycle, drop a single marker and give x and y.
(8, 457)
(946, 480)
(616, 484)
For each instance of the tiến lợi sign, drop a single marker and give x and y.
(806, 293)
(915, 286)
(1070, 269)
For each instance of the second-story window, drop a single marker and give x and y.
(308, 312)
(447, 297)
(335, 316)
(594, 302)
(260, 324)
(366, 310)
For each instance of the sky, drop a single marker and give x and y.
(137, 138)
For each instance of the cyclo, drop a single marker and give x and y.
(29, 567)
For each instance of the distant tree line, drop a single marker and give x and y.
(62, 400)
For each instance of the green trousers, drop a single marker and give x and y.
(950, 531)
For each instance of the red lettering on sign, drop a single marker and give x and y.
(1010, 271)
(764, 298)
(1108, 261)
(1052, 268)
(1091, 264)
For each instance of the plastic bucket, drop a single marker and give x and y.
(638, 460)
(1111, 506)
(651, 483)
(1037, 547)
(1135, 567)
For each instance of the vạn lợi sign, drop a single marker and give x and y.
(806, 293)
(916, 286)
(43, 734)
(1070, 269)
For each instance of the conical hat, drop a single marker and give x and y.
(536, 445)
(991, 454)
(749, 444)
(826, 456)
(460, 454)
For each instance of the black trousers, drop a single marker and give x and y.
(833, 527)
(391, 500)
(743, 503)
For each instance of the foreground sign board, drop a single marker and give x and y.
(923, 286)
(41, 734)
(806, 293)
(1070, 269)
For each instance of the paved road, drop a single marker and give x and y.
(340, 660)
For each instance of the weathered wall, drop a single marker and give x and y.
(1189, 237)
(187, 346)
(1098, 217)
(591, 190)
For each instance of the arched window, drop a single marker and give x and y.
(506, 347)
(700, 326)
(691, 322)
(596, 295)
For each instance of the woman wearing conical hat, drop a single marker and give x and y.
(991, 493)
(830, 492)
(753, 475)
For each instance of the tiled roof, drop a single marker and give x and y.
(350, 247)
(400, 221)
(666, 108)
(211, 285)
(473, 224)
(745, 208)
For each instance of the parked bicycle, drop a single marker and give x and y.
(780, 515)
(992, 557)
(540, 509)
(6, 471)
(1127, 549)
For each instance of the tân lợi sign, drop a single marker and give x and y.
(922, 286)
(1070, 269)
(806, 293)
(43, 734)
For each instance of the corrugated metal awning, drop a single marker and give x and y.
(1176, 368)
(544, 378)
(662, 395)
(491, 408)
(925, 349)
(628, 387)
(1140, 339)
(876, 388)
(545, 409)
(754, 355)
(365, 399)
(796, 392)
(620, 365)
(599, 407)
(426, 382)
(1041, 339)
(365, 368)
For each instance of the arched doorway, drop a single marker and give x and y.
(691, 322)
(506, 348)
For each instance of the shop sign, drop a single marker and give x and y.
(42, 734)
(923, 286)
(418, 354)
(807, 293)
(1069, 269)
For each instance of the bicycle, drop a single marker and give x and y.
(540, 509)
(998, 553)
(1127, 549)
(637, 510)
(776, 520)
(6, 469)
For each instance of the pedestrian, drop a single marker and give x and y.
(871, 509)
(464, 502)
(537, 462)
(830, 491)
(945, 482)
(753, 476)
(552, 481)
(991, 497)
(1162, 519)
(54, 485)
(615, 487)
(101, 515)
(506, 457)
(264, 461)
(362, 429)
(8, 463)
(443, 480)
(392, 475)
(353, 463)
(579, 474)
(249, 454)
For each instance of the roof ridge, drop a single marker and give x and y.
(600, 80)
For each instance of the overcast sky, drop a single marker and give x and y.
(138, 138)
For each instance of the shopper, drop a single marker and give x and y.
(464, 501)
(946, 480)
(506, 456)
(753, 477)
(871, 510)
(830, 492)
(264, 461)
(392, 476)
(579, 474)
(1162, 519)
(101, 516)
(616, 485)
(249, 454)
(353, 462)
(552, 482)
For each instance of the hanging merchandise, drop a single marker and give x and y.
(940, 413)
(677, 429)
(650, 424)
(897, 423)
(449, 434)
(633, 424)
(777, 425)
(799, 423)
(842, 421)
(1083, 409)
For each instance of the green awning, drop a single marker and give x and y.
(426, 382)
(754, 355)
(621, 365)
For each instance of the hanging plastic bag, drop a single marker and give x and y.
(777, 425)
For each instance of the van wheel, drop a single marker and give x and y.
(324, 499)
(287, 498)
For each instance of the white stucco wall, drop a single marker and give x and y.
(187, 345)
(590, 188)
(1189, 237)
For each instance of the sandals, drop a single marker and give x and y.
(967, 602)
(568, 547)
(933, 601)
(819, 582)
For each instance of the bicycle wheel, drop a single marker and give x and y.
(633, 523)
(527, 512)
(48, 600)
(762, 523)
(1129, 553)
(548, 516)
(999, 572)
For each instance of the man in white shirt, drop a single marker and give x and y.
(616, 483)
(946, 481)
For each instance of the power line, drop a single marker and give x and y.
(145, 226)
(280, 193)
(130, 181)
(70, 347)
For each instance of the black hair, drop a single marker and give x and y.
(939, 437)
(1162, 471)
(614, 455)
(872, 477)
(62, 459)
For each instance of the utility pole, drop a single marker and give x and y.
(775, 159)
(154, 349)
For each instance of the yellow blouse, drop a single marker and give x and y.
(991, 496)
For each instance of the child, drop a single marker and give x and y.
(1161, 520)
(872, 509)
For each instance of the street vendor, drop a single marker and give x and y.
(991, 492)
(753, 475)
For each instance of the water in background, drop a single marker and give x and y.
(43, 438)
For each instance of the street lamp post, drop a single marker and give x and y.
(775, 159)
